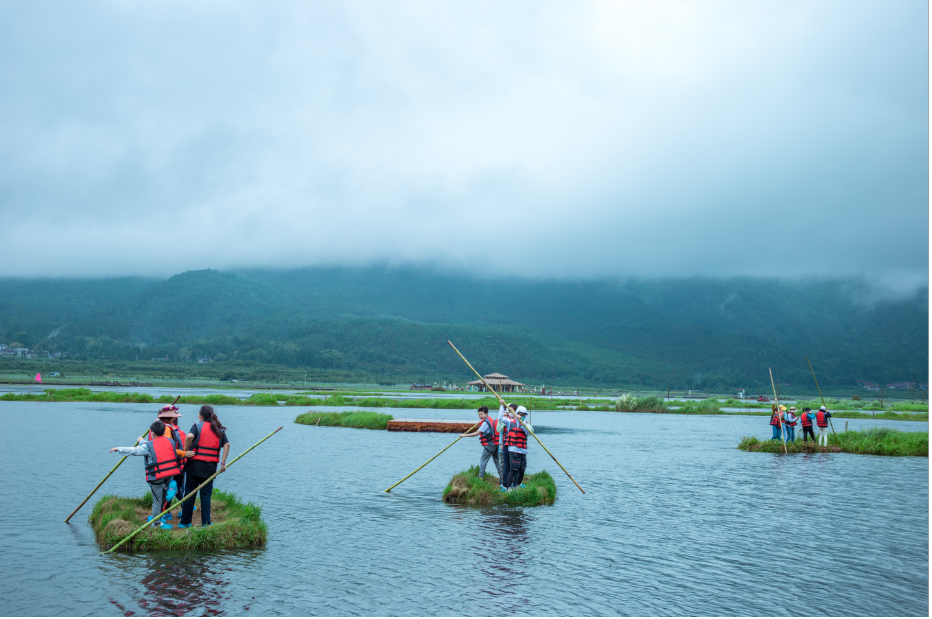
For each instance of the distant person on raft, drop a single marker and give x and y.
(776, 423)
(822, 418)
(489, 439)
(162, 464)
(517, 450)
(806, 419)
(206, 439)
(789, 424)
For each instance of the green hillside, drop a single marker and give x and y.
(394, 323)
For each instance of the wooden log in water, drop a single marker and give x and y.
(451, 426)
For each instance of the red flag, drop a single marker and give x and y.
(38, 377)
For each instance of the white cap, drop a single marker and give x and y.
(821, 408)
(521, 410)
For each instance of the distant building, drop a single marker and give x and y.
(420, 387)
(498, 382)
(205, 360)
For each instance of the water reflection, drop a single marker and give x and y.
(179, 584)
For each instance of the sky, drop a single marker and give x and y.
(535, 139)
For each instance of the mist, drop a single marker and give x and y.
(533, 140)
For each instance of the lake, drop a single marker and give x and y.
(675, 521)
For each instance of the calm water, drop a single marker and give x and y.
(675, 521)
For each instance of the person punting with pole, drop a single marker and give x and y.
(489, 439)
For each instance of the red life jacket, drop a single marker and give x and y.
(775, 419)
(821, 419)
(792, 424)
(517, 437)
(485, 439)
(206, 444)
(807, 421)
(181, 437)
(163, 461)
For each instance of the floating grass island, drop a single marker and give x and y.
(873, 441)
(234, 524)
(466, 488)
(353, 419)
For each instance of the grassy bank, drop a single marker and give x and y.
(354, 419)
(873, 441)
(440, 403)
(86, 395)
(466, 488)
(234, 524)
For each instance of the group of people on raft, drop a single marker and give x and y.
(784, 422)
(177, 463)
(504, 441)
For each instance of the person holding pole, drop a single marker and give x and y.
(806, 420)
(789, 424)
(506, 421)
(168, 414)
(822, 418)
(161, 461)
(517, 450)
(489, 439)
(206, 439)
(776, 423)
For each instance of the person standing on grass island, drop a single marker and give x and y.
(776, 423)
(206, 438)
(489, 440)
(517, 450)
(161, 460)
(807, 419)
(822, 420)
(505, 419)
(789, 424)
(168, 415)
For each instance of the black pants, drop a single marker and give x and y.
(516, 474)
(187, 508)
(808, 430)
(506, 465)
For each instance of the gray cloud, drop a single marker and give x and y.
(534, 139)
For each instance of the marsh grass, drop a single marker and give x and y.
(467, 488)
(353, 419)
(872, 441)
(644, 404)
(234, 524)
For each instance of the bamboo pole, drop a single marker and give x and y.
(777, 400)
(188, 496)
(518, 417)
(820, 395)
(435, 457)
(87, 498)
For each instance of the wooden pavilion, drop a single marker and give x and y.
(498, 382)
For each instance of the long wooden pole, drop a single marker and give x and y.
(189, 495)
(776, 399)
(104, 479)
(820, 395)
(435, 457)
(518, 417)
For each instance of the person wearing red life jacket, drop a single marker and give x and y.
(161, 461)
(206, 439)
(506, 421)
(806, 420)
(489, 439)
(822, 418)
(776, 423)
(169, 415)
(789, 424)
(517, 449)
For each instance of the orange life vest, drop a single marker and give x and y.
(821, 419)
(163, 461)
(775, 419)
(492, 437)
(517, 437)
(807, 420)
(181, 437)
(206, 444)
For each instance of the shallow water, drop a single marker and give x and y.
(675, 520)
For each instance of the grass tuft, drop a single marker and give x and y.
(468, 489)
(645, 404)
(235, 524)
(353, 419)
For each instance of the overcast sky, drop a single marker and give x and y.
(535, 139)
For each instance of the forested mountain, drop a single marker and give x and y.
(394, 323)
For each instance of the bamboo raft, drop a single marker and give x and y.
(430, 425)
